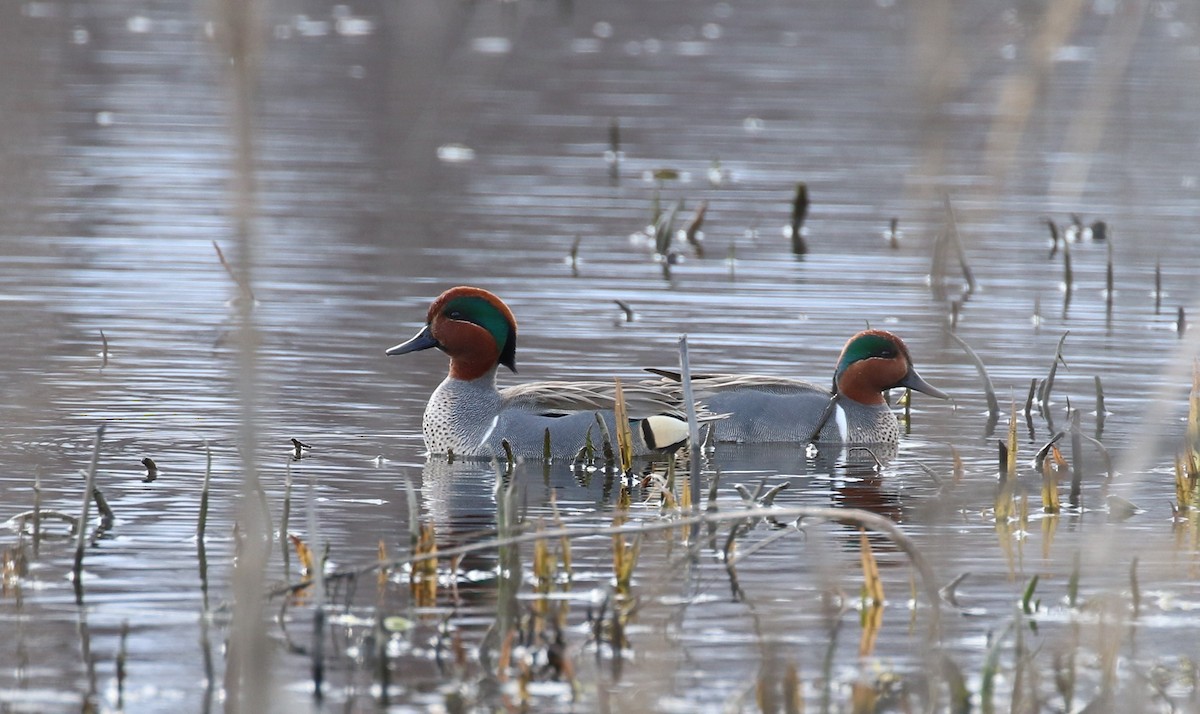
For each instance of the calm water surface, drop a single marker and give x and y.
(404, 148)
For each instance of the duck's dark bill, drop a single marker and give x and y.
(913, 381)
(423, 340)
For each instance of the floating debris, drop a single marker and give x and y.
(298, 447)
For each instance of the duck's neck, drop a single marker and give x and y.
(855, 386)
(469, 369)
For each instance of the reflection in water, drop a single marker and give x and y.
(116, 155)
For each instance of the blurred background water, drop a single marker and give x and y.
(402, 148)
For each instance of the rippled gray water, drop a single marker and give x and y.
(404, 148)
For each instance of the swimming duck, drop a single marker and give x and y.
(468, 416)
(761, 409)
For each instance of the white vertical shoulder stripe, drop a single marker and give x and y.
(487, 434)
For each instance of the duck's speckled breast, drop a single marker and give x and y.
(460, 417)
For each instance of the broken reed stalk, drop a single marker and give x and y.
(961, 252)
(1135, 592)
(104, 350)
(691, 230)
(318, 633)
(122, 653)
(574, 260)
(799, 215)
(1051, 468)
(81, 540)
(242, 287)
(693, 421)
(872, 583)
(1157, 285)
(1053, 237)
(991, 665)
(1011, 465)
(284, 516)
(624, 433)
(988, 390)
(1193, 420)
(614, 149)
(107, 517)
(1068, 274)
(37, 510)
(606, 444)
(1028, 605)
(1073, 582)
(1101, 412)
(1076, 460)
(1005, 487)
(203, 521)
(664, 230)
(1108, 281)
(1048, 385)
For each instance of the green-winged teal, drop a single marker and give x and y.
(468, 416)
(764, 409)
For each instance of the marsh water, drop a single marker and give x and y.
(403, 148)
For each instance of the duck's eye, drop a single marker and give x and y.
(887, 354)
(455, 315)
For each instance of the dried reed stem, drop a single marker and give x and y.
(318, 634)
(202, 523)
(988, 390)
(82, 537)
(799, 215)
(1076, 460)
(689, 405)
(959, 250)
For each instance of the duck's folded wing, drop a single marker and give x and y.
(704, 385)
(560, 398)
